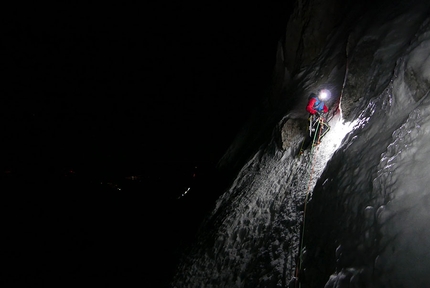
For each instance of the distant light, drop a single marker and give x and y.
(186, 191)
(183, 194)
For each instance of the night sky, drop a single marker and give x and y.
(130, 85)
(112, 91)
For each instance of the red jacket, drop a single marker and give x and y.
(315, 105)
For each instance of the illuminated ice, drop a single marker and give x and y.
(366, 185)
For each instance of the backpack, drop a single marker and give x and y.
(318, 105)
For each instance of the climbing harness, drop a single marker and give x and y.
(317, 128)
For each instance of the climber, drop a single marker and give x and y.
(318, 126)
(316, 103)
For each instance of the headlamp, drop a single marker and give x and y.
(324, 94)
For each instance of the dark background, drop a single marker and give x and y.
(93, 94)
(129, 85)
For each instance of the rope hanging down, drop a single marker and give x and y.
(314, 141)
(312, 170)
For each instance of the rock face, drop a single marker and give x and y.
(350, 214)
(308, 29)
(313, 27)
(292, 132)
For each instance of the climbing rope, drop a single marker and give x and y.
(313, 147)
(312, 167)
